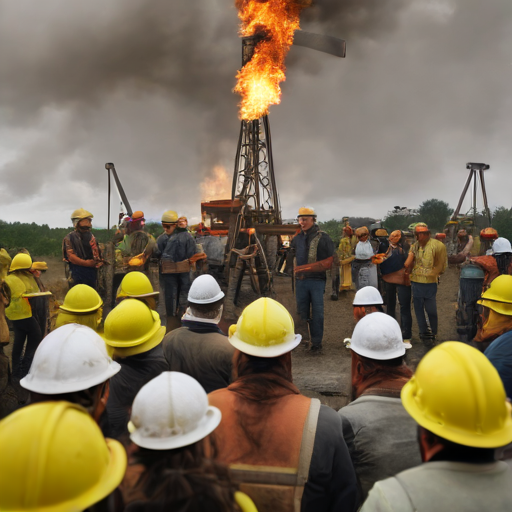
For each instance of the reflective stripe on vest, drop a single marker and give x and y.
(260, 482)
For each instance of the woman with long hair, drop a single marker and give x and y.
(170, 465)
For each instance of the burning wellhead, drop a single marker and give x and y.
(275, 21)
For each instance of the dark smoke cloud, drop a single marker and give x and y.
(424, 88)
(355, 18)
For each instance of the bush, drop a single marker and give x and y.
(502, 222)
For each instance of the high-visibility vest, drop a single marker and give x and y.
(274, 476)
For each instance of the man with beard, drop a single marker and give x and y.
(81, 250)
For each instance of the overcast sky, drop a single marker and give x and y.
(426, 87)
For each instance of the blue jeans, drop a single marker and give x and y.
(84, 275)
(176, 292)
(404, 299)
(309, 294)
(424, 300)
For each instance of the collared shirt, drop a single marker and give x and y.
(429, 261)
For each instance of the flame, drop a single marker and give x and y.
(216, 186)
(258, 81)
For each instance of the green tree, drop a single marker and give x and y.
(394, 221)
(435, 213)
(154, 228)
(333, 228)
(502, 222)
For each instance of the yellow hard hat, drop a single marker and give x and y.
(132, 328)
(5, 262)
(55, 459)
(21, 261)
(135, 284)
(81, 299)
(500, 289)
(265, 329)
(381, 232)
(306, 212)
(503, 308)
(81, 214)
(457, 394)
(170, 216)
(244, 502)
(137, 215)
(39, 265)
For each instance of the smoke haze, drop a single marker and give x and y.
(147, 85)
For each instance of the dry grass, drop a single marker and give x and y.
(54, 278)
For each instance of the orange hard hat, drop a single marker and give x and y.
(421, 227)
(488, 234)
(137, 215)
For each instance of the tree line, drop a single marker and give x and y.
(41, 240)
(434, 212)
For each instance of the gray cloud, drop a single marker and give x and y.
(424, 88)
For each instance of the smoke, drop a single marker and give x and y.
(147, 85)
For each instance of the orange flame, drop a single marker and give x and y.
(216, 186)
(258, 81)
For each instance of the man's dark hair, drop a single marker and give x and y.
(209, 311)
(503, 261)
(458, 452)
(85, 397)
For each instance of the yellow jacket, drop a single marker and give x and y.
(20, 282)
(429, 262)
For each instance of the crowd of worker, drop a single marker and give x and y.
(122, 415)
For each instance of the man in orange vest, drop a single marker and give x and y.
(286, 450)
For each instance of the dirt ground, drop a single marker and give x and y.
(325, 375)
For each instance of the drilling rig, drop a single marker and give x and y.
(255, 223)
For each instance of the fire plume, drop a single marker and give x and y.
(258, 81)
(217, 185)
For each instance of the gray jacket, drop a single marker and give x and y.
(444, 486)
(381, 438)
(205, 355)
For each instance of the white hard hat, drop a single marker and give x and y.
(71, 358)
(171, 411)
(367, 296)
(378, 336)
(205, 290)
(501, 245)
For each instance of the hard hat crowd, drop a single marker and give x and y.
(123, 416)
(110, 427)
